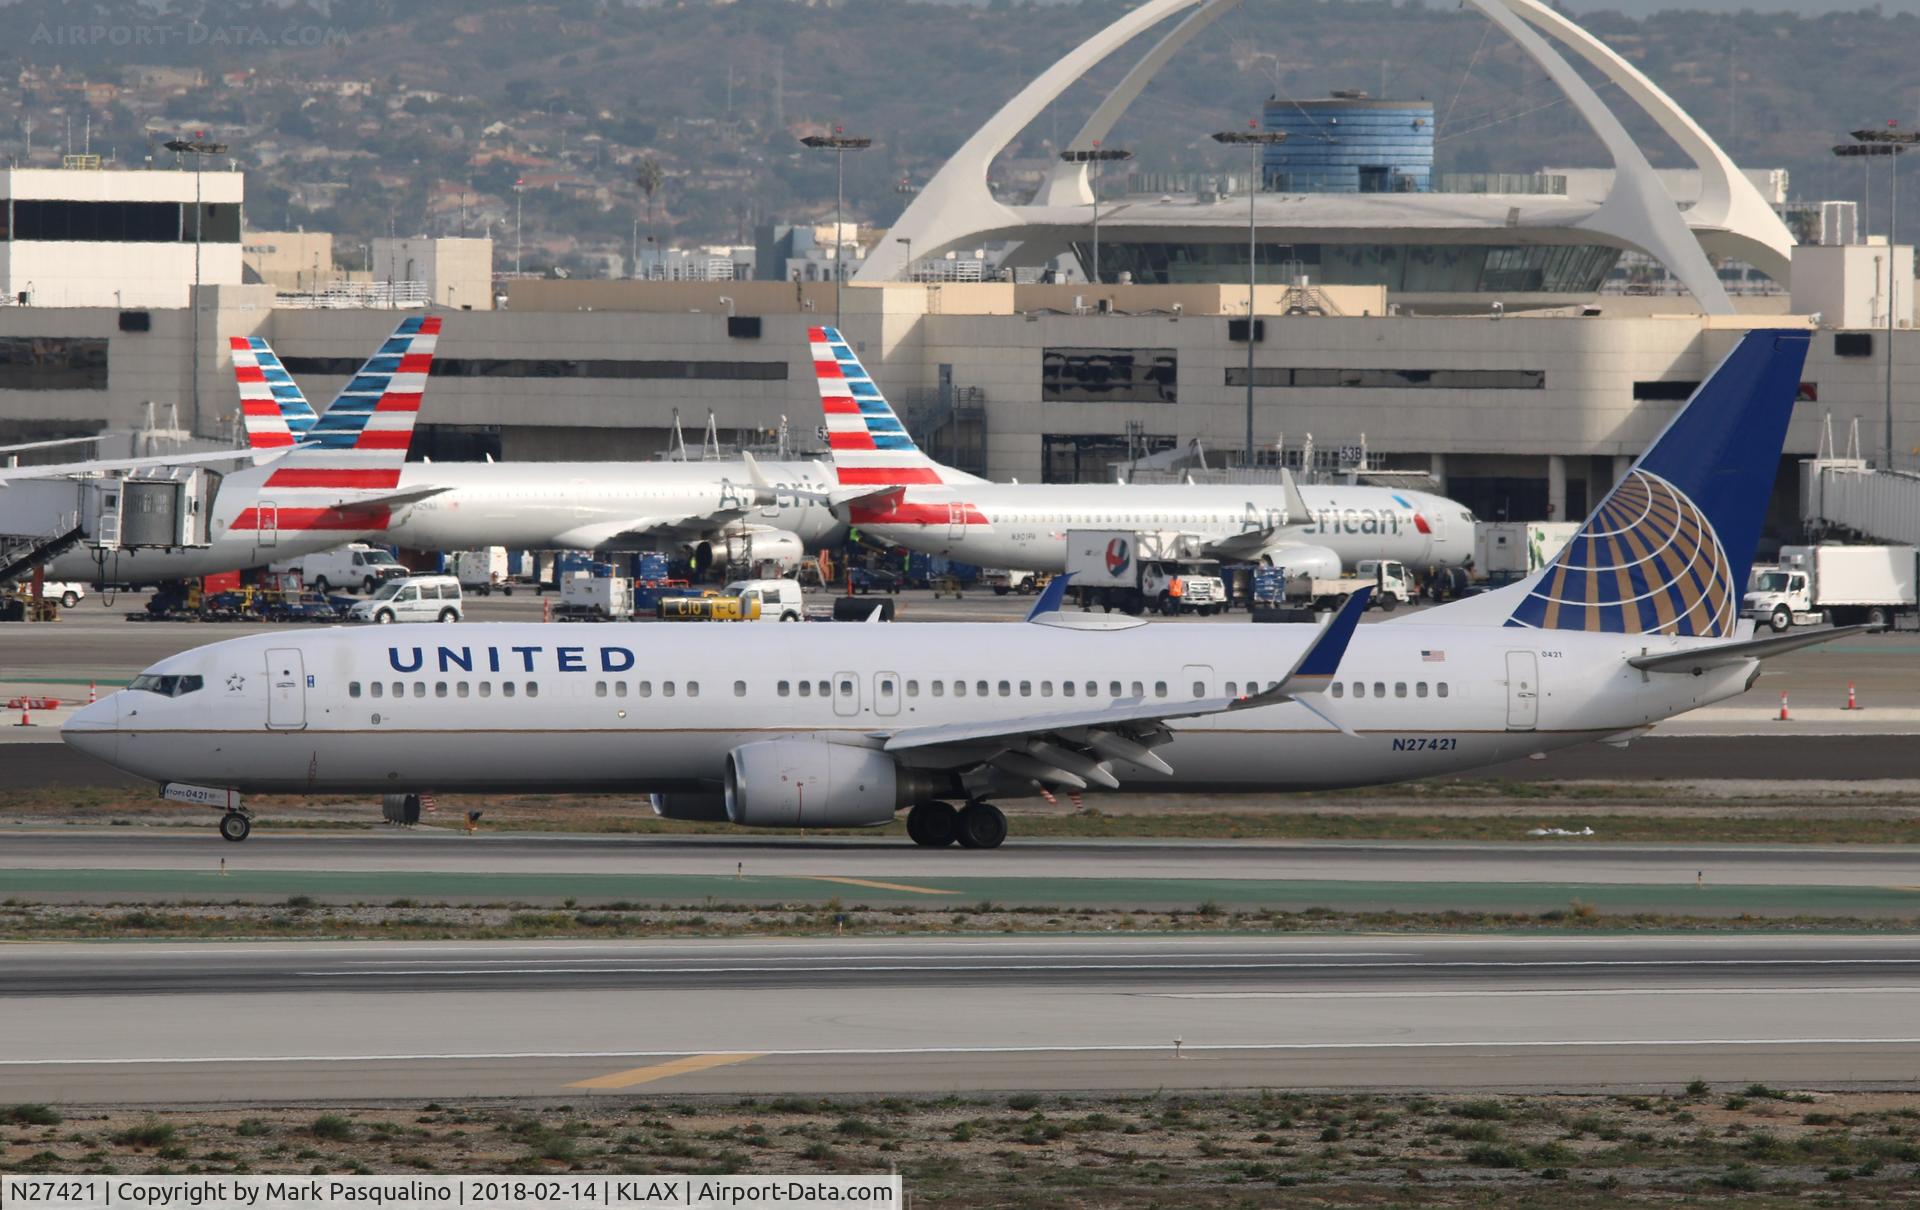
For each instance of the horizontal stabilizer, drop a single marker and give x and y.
(1721, 655)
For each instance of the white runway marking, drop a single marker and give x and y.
(991, 967)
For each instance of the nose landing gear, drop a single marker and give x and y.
(236, 825)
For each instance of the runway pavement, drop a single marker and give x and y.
(181, 1024)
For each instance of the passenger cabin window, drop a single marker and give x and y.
(619, 689)
(459, 689)
(939, 688)
(1006, 689)
(1339, 690)
(486, 689)
(1159, 689)
(1399, 689)
(913, 688)
(506, 688)
(693, 688)
(666, 689)
(846, 688)
(440, 689)
(784, 688)
(739, 689)
(399, 689)
(1441, 689)
(353, 688)
(1359, 689)
(806, 688)
(419, 689)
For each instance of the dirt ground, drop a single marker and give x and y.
(1690, 1145)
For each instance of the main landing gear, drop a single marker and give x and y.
(978, 825)
(235, 826)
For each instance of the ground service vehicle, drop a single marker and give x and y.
(356, 566)
(1846, 585)
(709, 607)
(412, 599)
(779, 600)
(481, 571)
(1134, 572)
(1503, 551)
(1004, 580)
(594, 596)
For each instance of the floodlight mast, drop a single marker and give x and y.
(1890, 142)
(1095, 155)
(1255, 139)
(840, 143)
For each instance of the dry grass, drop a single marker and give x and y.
(1748, 1146)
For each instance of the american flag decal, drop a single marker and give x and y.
(1434, 657)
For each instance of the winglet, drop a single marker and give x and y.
(1051, 598)
(1297, 511)
(1322, 659)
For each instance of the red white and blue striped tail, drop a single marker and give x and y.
(360, 442)
(271, 404)
(869, 444)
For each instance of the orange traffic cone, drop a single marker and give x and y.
(26, 720)
(1853, 703)
(93, 693)
(1784, 716)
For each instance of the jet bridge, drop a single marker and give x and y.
(153, 508)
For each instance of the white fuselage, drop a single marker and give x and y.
(646, 706)
(534, 505)
(1026, 525)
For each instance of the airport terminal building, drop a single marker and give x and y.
(1444, 330)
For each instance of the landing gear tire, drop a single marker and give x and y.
(982, 826)
(933, 825)
(235, 826)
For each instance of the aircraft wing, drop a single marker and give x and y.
(678, 527)
(61, 470)
(1720, 655)
(405, 496)
(1245, 546)
(1073, 748)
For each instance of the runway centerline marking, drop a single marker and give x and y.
(876, 886)
(662, 1071)
(1501, 994)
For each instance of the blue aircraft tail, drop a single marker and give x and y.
(1669, 548)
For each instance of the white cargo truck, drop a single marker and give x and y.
(587, 597)
(1387, 577)
(1845, 585)
(1134, 572)
(1504, 551)
(357, 565)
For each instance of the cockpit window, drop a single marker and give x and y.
(166, 686)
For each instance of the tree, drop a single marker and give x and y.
(649, 177)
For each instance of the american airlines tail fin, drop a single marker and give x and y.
(1668, 550)
(347, 479)
(869, 444)
(272, 406)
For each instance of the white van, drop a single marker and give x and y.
(356, 565)
(780, 600)
(413, 599)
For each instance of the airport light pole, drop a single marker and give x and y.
(1256, 140)
(1891, 142)
(519, 212)
(199, 148)
(840, 143)
(1095, 156)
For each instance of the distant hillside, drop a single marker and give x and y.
(365, 116)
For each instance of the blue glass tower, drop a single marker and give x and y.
(1349, 143)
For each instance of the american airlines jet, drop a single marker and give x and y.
(1635, 621)
(720, 512)
(305, 497)
(895, 492)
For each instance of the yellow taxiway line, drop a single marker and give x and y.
(662, 1071)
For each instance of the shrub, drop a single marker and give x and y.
(149, 1133)
(331, 1126)
(1023, 1101)
(1487, 1155)
(1481, 1111)
(30, 1115)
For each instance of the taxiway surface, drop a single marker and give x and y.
(290, 1023)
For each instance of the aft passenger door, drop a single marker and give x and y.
(956, 520)
(846, 694)
(1523, 690)
(286, 689)
(269, 514)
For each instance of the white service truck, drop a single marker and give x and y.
(357, 565)
(481, 571)
(1845, 585)
(1134, 572)
(1387, 577)
(780, 600)
(1505, 551)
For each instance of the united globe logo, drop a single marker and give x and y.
(1646, 563)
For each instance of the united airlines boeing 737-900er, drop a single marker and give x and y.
(718, 512)
(1635, 621)
(895, 492)
(300, 498)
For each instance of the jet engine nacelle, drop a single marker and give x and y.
(750, 548)
(1315, 561)
(701, 806)
(801, 783)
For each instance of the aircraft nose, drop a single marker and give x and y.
(95, 729)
